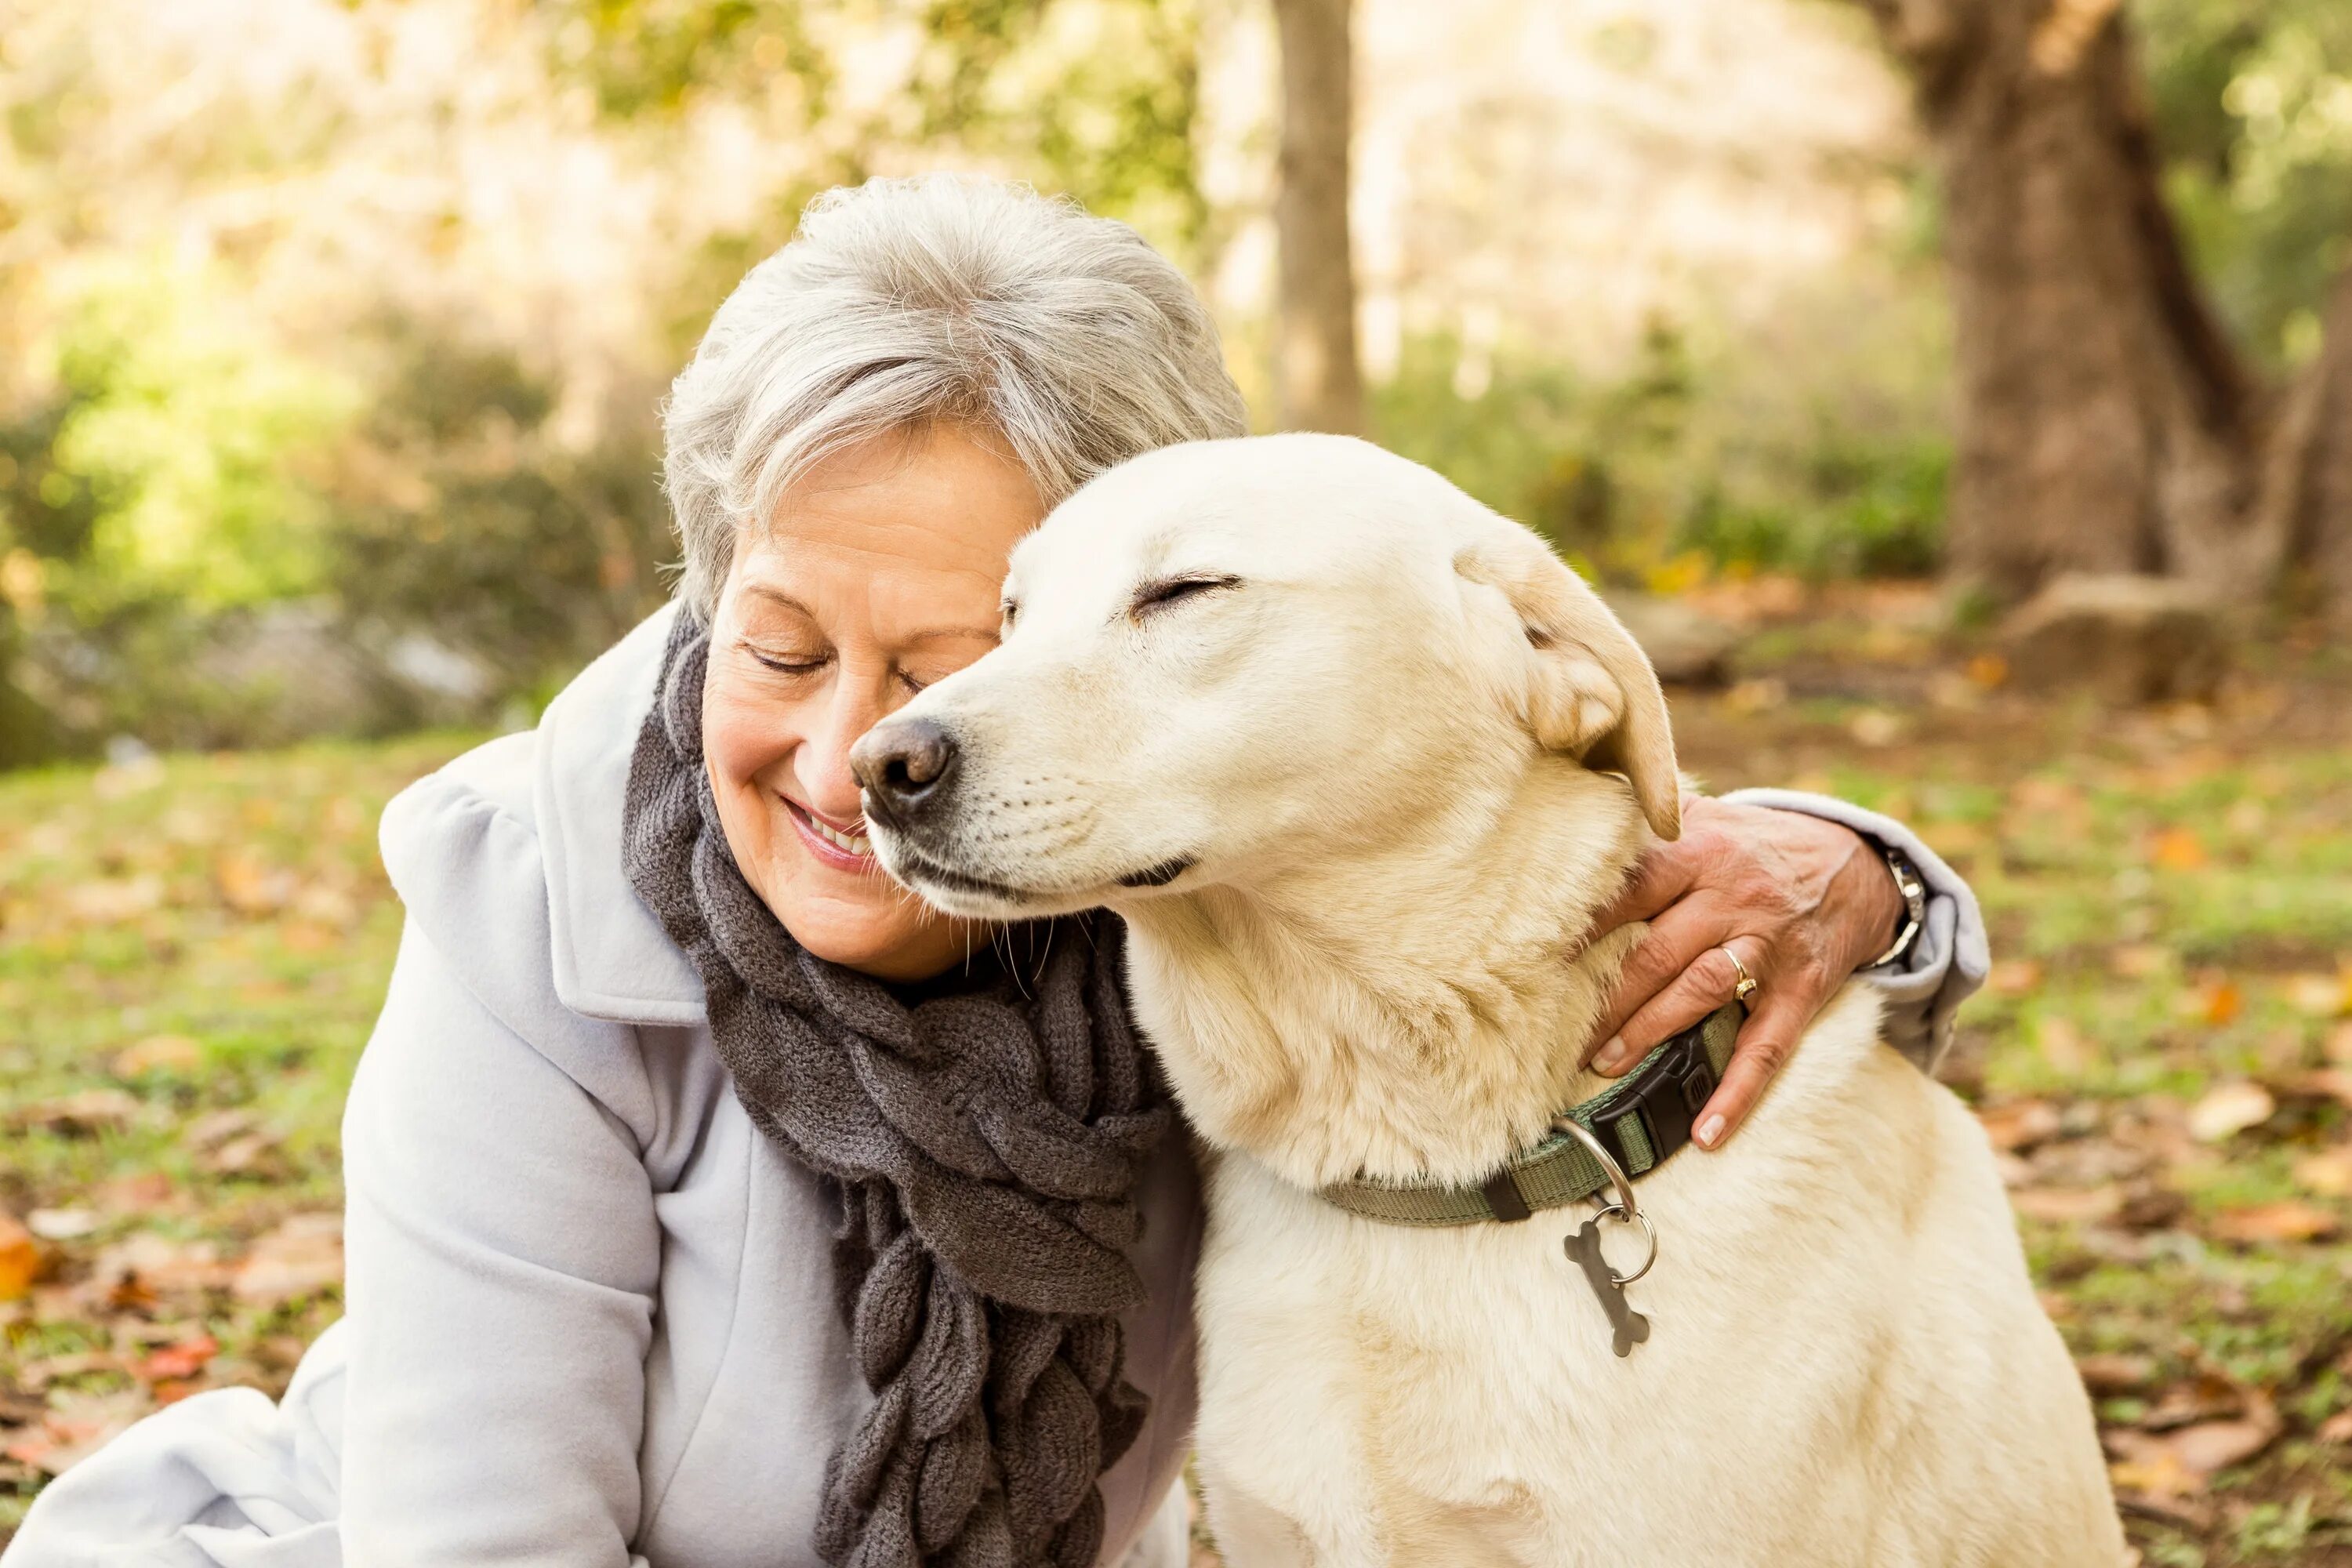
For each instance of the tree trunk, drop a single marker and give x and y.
(2316, 461)
(2105, 422)
(1318, 384)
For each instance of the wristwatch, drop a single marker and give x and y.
(1915, 908)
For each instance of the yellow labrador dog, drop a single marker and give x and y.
(1358, 759)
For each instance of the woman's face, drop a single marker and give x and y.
(878, 574)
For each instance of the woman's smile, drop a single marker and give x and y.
(842, 845)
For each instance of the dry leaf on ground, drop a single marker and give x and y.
(20, 1259)
(2066, 1206)
(77, 1427)
(2290, 1219)
(2327, 1173)
(2019, 1124)
(2115, 1372)
(2228, 1109)
(300, 1258)
(158, 1053)
(91, 1111)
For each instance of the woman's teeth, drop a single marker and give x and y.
(847, 843)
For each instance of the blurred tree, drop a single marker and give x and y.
(2109, 420)
(1318, 384)
(1096, 98)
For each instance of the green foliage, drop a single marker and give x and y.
(2254, 106)
(458, 511)
(169, 461)
(1094, 98)
(1633, 474)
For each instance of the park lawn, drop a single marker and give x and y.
(192, 954)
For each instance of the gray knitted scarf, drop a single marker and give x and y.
(985, 1136)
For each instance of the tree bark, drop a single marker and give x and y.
(2105, 422)
(2317, 462)
(1318, 384)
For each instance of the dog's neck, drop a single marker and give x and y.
(1416, 1008)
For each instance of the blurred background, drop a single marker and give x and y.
(1956, 396)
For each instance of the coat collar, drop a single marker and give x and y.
(610, 957)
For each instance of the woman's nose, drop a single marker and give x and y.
(822, 759)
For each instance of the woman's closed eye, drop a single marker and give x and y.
(1169, 592)
(788, 663)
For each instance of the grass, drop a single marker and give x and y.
(191, 953)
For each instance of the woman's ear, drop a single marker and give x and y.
(1590, 691)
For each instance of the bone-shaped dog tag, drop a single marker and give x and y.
(1584, 1251)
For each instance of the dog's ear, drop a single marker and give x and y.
(1589, 687)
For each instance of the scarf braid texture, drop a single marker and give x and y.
(985, 1146)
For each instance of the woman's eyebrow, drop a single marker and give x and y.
(777, 597)
(935, 633)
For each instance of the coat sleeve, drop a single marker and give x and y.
(503, 1257)
(1951, 956)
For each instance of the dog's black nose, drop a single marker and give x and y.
(904, 766)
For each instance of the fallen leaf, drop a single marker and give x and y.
(1876, 728)
(2328, 1172)
(216, 1128)
(2063, 1047)
(2115, 1372)
(2014, 976)
(2208, 1396)
(2219, 1001)
(2336, 1428)
(2217, 1444)
(91, 1111)
(2289, 1219)
(302, 1257)
(184, 1359)
(159, 1053)
(2139, 960)
(140, 1193)
(251, 888)
(2228, 1109)
(61, 1224)
(114, 902)
(2068, 1205)
(2151, 1208)
(247, 1154)
(2019, 1124)
(2177, 849)
(2322, 996)
(78, 1428)
(2321, 1083)
(1987, 670)
(20, 1259)
(2177, 1462)
(144, 1267)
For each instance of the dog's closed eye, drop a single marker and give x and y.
(1154, 597)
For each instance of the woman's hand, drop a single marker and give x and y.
(1803, 902)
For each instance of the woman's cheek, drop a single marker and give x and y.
(743, 733)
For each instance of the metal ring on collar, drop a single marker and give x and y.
(1608, 1165)
(1649, 1230)
(1746, 986)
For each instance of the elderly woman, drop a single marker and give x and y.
(682, 1126)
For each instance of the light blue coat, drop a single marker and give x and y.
(590, 1314)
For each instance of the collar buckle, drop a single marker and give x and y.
(1663, 1103)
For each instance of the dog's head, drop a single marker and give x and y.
(1230, 658)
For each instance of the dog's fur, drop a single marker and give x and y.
(1351, 799)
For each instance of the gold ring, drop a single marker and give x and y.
(1746, 986)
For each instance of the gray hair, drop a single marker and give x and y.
(900, 303)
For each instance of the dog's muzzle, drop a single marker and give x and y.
(906, 769)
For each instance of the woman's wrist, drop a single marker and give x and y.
(1872, 902)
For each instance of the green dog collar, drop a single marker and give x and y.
(1642, 1117)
